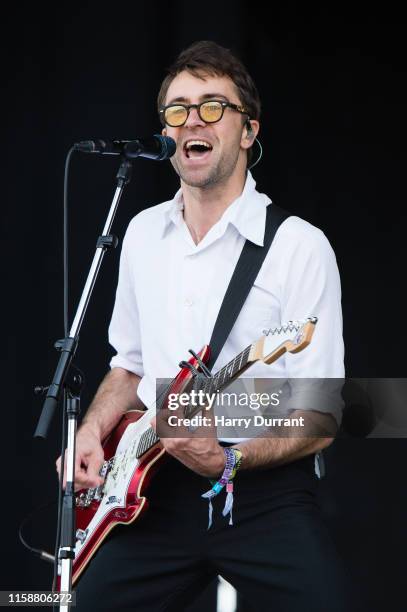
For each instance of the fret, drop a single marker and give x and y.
(232, 367)
(241, 359)
(207, 384)
(235, 367)
(228, 373)
(224, 372)
(215, 382)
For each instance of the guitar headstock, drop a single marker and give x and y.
(292, 337)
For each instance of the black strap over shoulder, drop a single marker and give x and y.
(244, 275)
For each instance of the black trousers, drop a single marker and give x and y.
(278, 553)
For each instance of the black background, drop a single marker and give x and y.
(332, 84)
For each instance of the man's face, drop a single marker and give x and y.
(201, 169)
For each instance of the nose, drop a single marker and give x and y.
(194, 119)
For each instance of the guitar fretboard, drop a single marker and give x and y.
(230, 371)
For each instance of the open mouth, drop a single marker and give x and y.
(197, 149)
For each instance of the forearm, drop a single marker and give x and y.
(271, 452)
(275, 450)
(116, 394)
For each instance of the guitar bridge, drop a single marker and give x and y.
(84, 499)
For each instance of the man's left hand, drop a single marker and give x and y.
(198, 449)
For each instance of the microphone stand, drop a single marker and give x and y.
(69, 383)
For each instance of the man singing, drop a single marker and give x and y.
(176, 263)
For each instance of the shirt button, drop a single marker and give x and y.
(188, 301)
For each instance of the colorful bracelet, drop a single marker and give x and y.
(233, 463)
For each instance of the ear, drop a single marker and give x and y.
(164, 132)
(249, 135)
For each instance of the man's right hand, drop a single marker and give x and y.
(88, 460)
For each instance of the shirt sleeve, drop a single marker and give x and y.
(124, 329)
(313, 288)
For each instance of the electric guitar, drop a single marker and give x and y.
(133, 451)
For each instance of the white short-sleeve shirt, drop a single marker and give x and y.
(170, 291)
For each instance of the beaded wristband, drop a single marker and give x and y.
(233, 463)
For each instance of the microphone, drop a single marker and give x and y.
(153, 147)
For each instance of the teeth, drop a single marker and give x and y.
(202, 143)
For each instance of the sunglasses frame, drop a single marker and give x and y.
(236, 107)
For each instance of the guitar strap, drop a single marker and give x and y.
(244, 275)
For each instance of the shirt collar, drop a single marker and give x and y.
(247, 213)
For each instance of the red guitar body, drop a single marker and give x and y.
(93, 517)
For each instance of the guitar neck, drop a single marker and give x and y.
(294, 336)
(231, 370)
(219, 381)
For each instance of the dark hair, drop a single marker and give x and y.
(208, 58)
